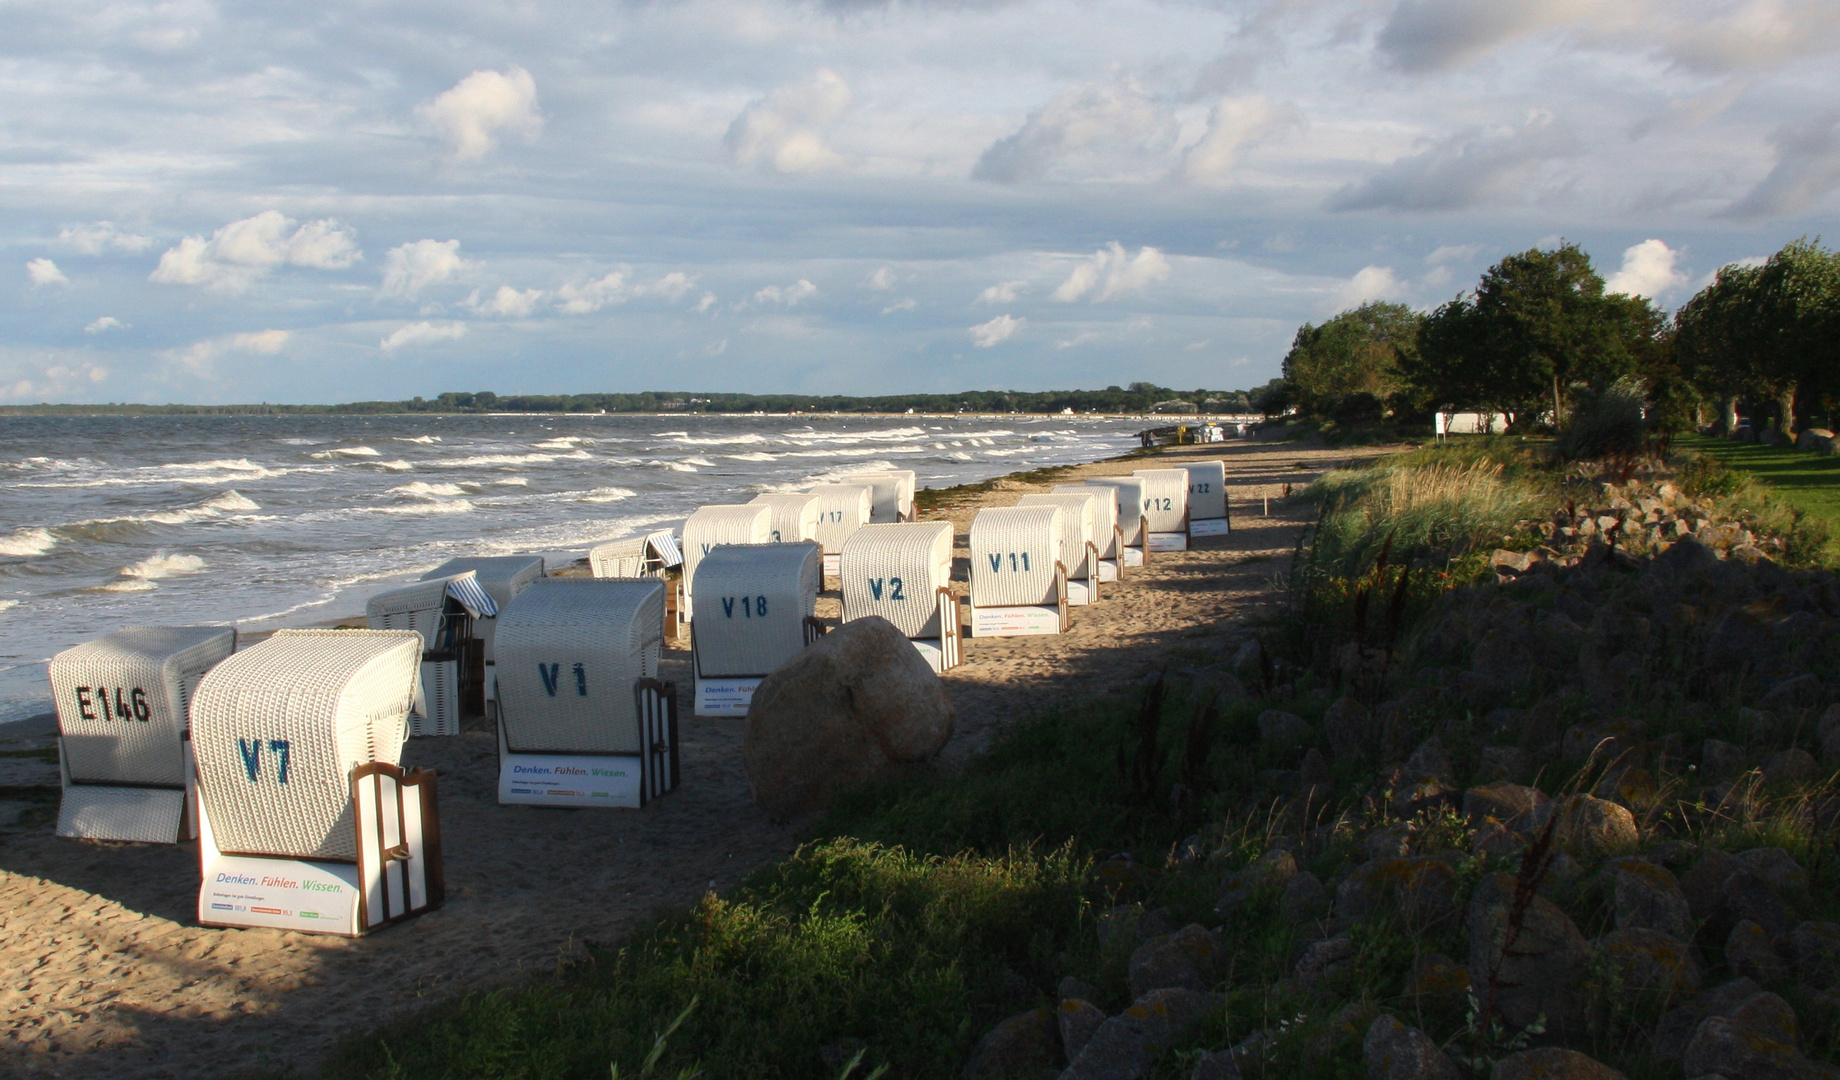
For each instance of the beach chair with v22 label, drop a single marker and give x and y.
(307, 822)
(1208, 513)
(756, 607)
(583, 718)
(1018, 581)
(1165, 508)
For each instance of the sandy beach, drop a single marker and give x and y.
(108, 975)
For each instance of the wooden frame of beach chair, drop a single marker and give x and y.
(653, 555)
(124, 750)
(1133, 523)
(444, 611)
(1079, 549)
(583, 717)
(893, 498)
(903, 572)
(709, 526)
(1018, 582)
(306, 821)
(1107, 536)
(1208, 514)
(842, 509)
(795, 516)
(758, 602)
(1165, 508)
(502, 577)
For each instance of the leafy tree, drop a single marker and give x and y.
(1352, 362)
(1712, 336)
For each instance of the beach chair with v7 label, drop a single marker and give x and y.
(756, 608)
(653, 555)
(583, 719)
(443, 610)
(1207, 499)
(306, 820)
(1079, 552)
(1018, 581)
(1133, 524)
(1165, 508)
(1108, 538)
(502, 577)
(903, 573)
(124, 753)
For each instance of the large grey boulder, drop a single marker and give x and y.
(1589, 827)
(1552, 1063)
(1394, 1051)
(1537, 968)
(1023, 1044)
(1186, 958)
(838, 713)
(1124, 1045)
(1649, 897)
(1651, 964)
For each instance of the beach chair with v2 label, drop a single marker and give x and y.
(307, 821)
(903, 573)
(756, 608)
(1079, 550)
(1207, 499)
(583, 718)
(502, 577)
(1133, 521)
(1165, 508)
(444, 611)
(1018, 581)
(124, 740)
(1108, 538)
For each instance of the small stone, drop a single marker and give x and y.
(1271, 870)
(1505, 802)
(1647, 896)
(1304, 899)
(1651, 963)
(1761, 724)
(1078, 1018)
(1703, 882)
(1540, 974)
(1217, 1065)
(1589, 827)
(1748, 897)
(1430, 762)
(1501, 763)
(1814, 948)
(1749, 952)
(1437, 975)
(1728, 1048)
(1794, 693)
(1829, 724)
(1319, 958)
(1392, 842)
(1024, 1043)
(1155, 923)
(1183, 959)
(1282, 729)
(1122, 1047)
(1314, 771)
(1346, 722)
(1422, 889)
(1772, 1016)
(1601, 744)
(1394, 1051)
(1719, 759)
(1552, 1063)
(1793, 766)
(1776, 867)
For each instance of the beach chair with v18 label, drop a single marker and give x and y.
(756, 608)
(1018, 581)
(743, 523)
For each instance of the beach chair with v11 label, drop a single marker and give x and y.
(1207, 499)
(1165, 508)
(583, 718)
(1018, 582)
(124, 750)
(502, 577)
(1133, 521)
(306, 820)
(444, 611)
(1079, 549)
(1108, 538)
(903, 573)
(756, 608)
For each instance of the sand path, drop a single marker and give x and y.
(107, 975)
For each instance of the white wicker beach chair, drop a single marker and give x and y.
(1165, 508)
(1018, 582)
(893, 498)
(1208, 514)
(710, 526)
(1108, 538)
(122, 704)
(583, 719)
(903, 573)
(1133, 524)
(842, 509)
(756, 606)
(795, 517)
(307, 822)
(502, 577)
(443, 610)
(1079, 547)
(651, 555)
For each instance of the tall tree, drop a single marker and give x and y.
(1353, 360)
(1714, 336)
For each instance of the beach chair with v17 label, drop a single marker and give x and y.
(1108, 538)
(893, 494)
(583, 717)
(1079, 549)
(903, 573)
(1018, 581)
(842, 509)
(307, 821)
(757, 607)
(124, 750)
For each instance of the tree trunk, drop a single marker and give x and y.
(1730, 418)
(1785, 403)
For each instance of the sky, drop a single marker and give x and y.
(232, 202)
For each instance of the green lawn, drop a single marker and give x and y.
(1808, 481)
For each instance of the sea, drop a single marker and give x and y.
(272, 521)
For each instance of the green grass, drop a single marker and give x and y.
(1808, 481)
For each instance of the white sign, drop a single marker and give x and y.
(833, 565)
(1108, 569)
(725, 697)
(569, 780)
(1168, 541)
(1207, 527)
(1014, 621)
(929, 650)
(286, 894)
(1134, 556)
(1079, 594)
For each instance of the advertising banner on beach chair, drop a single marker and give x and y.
(903, 573)
(1018, 582)
(1208, 513)
(756, 608)
(124, 753)
(1079, 551)
(1165, 508)
(1108, 538)
(443, 611)
(502, 577)
(307, 820)
(583, 718)
(1133, 522)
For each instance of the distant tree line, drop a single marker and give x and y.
(1539, 339)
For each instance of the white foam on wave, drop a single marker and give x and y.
(860, 451)
(670, 434)
(703, 463)
(457, 506)
(960, 455)
(425, 490)
(674, 466)
(217, 506)
(399, 465)
(24, 543)
(562, 442)
(124, 585)
(8, 605)
(345, 451)
(425, 440)
(756, 455)
(811, 437)
(479, 460)
(162, 565)
(719, 440)
(230, 464)
(605, 495)
(514, 481)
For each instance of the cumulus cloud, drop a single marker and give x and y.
(672, 286)
(708, 301)
(1234, 124)
(785, 131)
(506, 302)
(421, 333)
(1369, 283)
(45, 272)
(1466, 169)
(789, 296)
(107, 322)
(880, 281)
(1004, 292)
(483, 106)
(1096, 130)
(412, 267)
(904, 304)
(1649, 270)
(997, 330)
(99, 238)
(1437, 35)
(1449, 253)
(1807, 168)
(199, 358)
(243, 252)
(1112, 272)
(582, 297)
(41, 381)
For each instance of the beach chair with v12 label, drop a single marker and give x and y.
(756, 608)
(1018, 581)
(1165, 508)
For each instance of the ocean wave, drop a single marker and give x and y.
(670, 434)
(221, 505)
(399, 465)
(507, 459)
(563, 442)
(720, 440)
(458, 506)
(8, 605)
(124, 585)
(345, 451)
(860, 451)
(701, 463)
(426, 490)
(605, 495)
(425, 440)
(27, 542)
(809, 437)
(162, 565)
(674, 466)
(514, 481)
(756, 455)
(230, 464)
